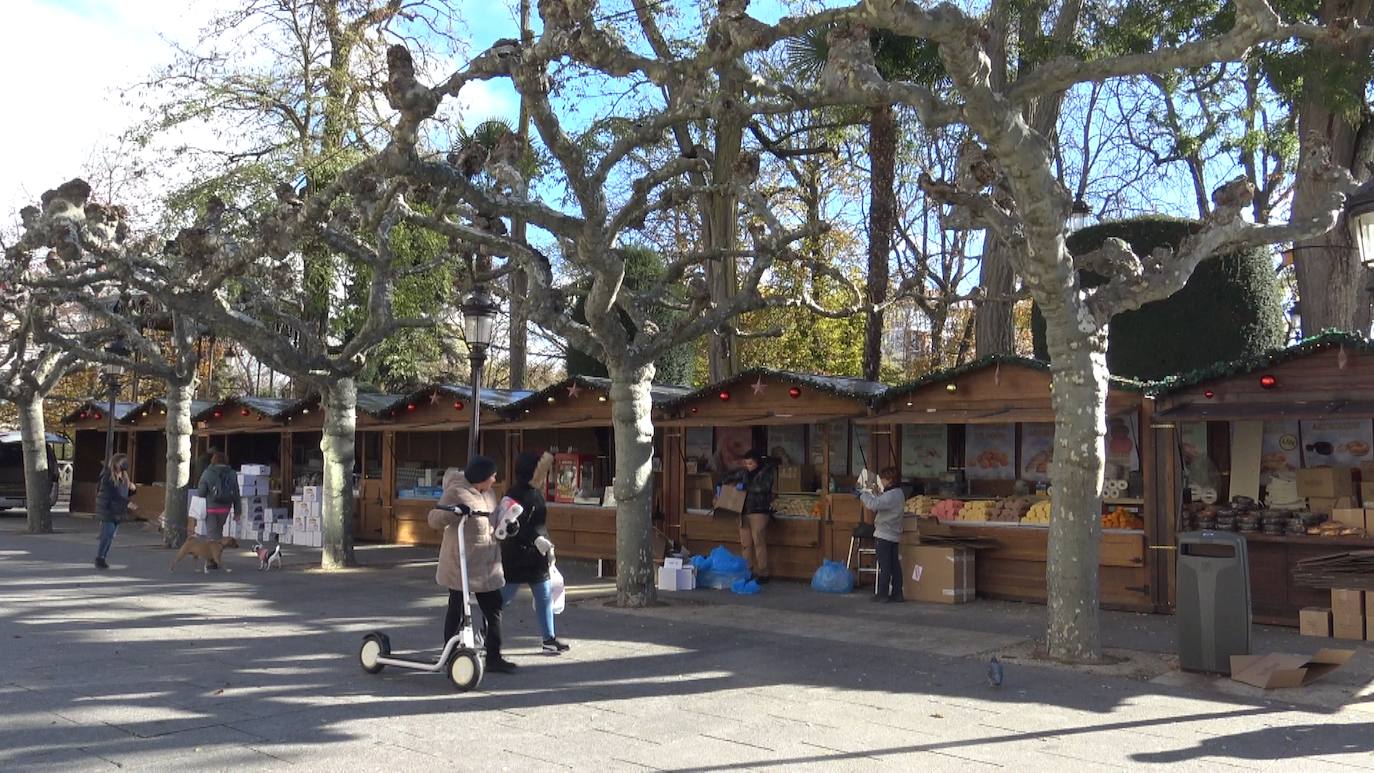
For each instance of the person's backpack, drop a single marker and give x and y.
(221, 489)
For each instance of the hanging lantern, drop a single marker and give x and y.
(601, 398)
(1268, 381)
(550, 400)
(794, 392)
(951, 388)
(694, 410)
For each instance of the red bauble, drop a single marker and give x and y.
(794, 392)
(1268, 382)
(724, 396)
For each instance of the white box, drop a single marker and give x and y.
(317, 540)
(671, 579)
(278, 528)
(312, 523)
(672, 563)
(297, 498)
(310, 493)
(255, 469)
(687, 578)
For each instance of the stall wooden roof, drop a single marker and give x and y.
(763, 396)
(94, 414)
(448, 406)
(1328, 375)
(1000, 389)
(578, 401)
(150, 412)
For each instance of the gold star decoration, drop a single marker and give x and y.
(758, 386)
(434, 398)
(574, 390)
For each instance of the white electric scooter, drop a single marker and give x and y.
(459, 658)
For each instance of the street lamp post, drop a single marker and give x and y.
(479, 324)
(1080, 216)
(110, 374)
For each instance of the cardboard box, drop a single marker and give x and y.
(672, 563)
(1367, 493)
(1315, 621)
(1326, 505)
(937, 574)
(310, 493)
(255, 469)
(793, 478)
(1271, 671)
(1347, 603)
(1325, 482)
(1350, 516)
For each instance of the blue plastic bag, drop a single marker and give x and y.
(832, 577)
(720, 569)
(745, 587)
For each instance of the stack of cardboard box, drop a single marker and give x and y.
(673, 575)
(1328, 489)
(1348, 617)
(306, 513)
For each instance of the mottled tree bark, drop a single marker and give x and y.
(340, 424)
(993, 331)
(634, 496)
(37, 477)
(178, 474)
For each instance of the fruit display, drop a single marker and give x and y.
(921, 504)
(975, 511)
(947, 509)
(1120, 518)
(1010, 510)
(1039, 513)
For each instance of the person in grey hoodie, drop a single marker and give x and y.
(219, 487)
(887, 510)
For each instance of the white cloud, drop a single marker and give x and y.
(480, 100)
(68, 63)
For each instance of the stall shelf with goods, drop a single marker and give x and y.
(976, 443)
(1280, 447)
(422, 435)
(572, 419)
(804, 421)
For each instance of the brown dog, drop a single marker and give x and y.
(208, 551)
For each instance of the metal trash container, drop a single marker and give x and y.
(1213, 608)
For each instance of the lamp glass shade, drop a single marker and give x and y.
(1362, 232)
(479, 320)
(1080, 216)
(112, 369)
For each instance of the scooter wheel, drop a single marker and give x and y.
(465, 670)
(375, 647)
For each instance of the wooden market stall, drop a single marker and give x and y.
(809, 423)
(1292, 430)
(573, 418)
(979, 439)
(87, 425)
(422, 435)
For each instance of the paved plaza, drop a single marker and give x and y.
(143, 669)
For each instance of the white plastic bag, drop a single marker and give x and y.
(556, 590)
(196, 512)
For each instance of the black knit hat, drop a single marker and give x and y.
(479, 469)
(525, 464)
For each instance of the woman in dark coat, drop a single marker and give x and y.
(112, 504)
(524, 554)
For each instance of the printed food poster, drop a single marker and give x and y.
(732, 444)
(1123, 440)
(1280, 455)
(925, 450)
(990, 452)
(1338, 443)
(1037, 451)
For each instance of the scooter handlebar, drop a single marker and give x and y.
(459, 509)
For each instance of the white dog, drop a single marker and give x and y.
(268, 558)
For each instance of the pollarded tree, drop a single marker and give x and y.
(240, 277)
(30, 366)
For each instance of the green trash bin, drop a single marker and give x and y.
(1213, 608)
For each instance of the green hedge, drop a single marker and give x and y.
(1231, 308)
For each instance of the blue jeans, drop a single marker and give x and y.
(107, 532)
(543, 604)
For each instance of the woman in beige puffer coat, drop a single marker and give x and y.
(472, 487)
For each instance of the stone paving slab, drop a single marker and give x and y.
(147, 669)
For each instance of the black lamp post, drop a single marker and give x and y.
(110, 374)
(479, 324)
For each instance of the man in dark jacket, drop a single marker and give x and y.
(757, 477)
(219, 487)
(524, 554)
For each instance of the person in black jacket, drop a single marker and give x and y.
(112, 503)
(757, 476)
(524, 554)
